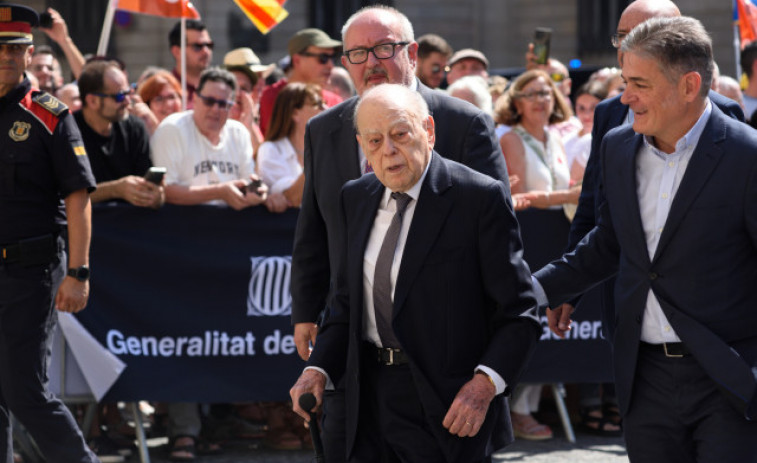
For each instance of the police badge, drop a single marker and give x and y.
(19, 131)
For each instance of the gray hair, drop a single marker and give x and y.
(406, 28)
(394, 94)
(478, 87)
(216, 74)
(679, 45)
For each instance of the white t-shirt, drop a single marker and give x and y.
(192, 160)
(278, 165)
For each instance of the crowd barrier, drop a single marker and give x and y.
(195, 301)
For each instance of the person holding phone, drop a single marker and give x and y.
(117, 143)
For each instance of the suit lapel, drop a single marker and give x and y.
(703, 161)
(626, 213)
(343, 141)
(430, 213)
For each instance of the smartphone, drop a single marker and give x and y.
(45, 20)
(155, 175)
(252, 187)
(542, 37)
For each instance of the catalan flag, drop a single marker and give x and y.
(166, 8)
(265, 14)
(746, 18)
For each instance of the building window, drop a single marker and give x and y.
(597, 20)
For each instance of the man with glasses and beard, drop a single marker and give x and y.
(199, 53)
(312, 53)
(117, 143)
(208, 156)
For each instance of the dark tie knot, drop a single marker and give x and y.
(403, 200)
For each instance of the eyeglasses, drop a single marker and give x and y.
(198, 46)
(617, 39)
(117, 97)
(382, 51)
(323, 58)
(531, 96)
(436, 69)
(209, 101)
(557, 77)
(165, 98)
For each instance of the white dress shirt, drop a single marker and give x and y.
(658, 176)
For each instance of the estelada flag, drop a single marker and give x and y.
(265, 14)
(167, 8)
(747, 20)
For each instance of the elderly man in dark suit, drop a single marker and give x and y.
(426, 326)
(679, 227)
(379, 48)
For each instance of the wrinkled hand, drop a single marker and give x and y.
(468, 411)
(559, 320)
(72, 295)
(59, 30)
(277, 203)
(311, 381)
(304, 333)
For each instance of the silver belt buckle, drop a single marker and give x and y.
(665, 348)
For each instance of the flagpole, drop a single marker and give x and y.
(183, 63)
(737, 51)
(102, 46)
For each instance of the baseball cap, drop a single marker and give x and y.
(16, 22)
(467, 53)
(245, 60)
(310, 37)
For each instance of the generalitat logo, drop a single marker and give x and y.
(269, 293)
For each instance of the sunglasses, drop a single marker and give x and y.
(200, 45)
(322, 58)
(117, 97)
(436, 69)
(209, 101)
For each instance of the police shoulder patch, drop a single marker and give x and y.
(49, 102)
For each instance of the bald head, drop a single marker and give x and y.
(641, 10)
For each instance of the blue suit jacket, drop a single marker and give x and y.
(608, 115)
(705, 266)
(461, 289)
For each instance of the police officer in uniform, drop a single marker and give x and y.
(45, 181)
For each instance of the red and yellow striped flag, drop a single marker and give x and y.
(747, 20)
(265, 14)
(167, 8)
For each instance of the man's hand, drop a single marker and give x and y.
(468, 411)
(520, 202)
(253, 198)
(58, 33)
(277, 203)
(311, 381)
(304, 333)
(559, 319)
(140, 192)
(72, 295)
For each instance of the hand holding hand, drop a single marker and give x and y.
(468, 411)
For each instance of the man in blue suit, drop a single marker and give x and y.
(678, 225)
(427, 330)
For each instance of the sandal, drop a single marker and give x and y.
(526, 427)
(612, 412)
(183, 448)
(594, 421)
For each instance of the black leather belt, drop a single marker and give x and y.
(385, 355)
(669, 349)
(32, 251)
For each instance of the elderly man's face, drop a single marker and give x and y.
(395, 141)
(375, 28)
(211, 108)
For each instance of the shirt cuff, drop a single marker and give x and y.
(499, 383)
(329, 384)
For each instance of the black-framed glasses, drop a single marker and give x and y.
(380, 51)
(617, 38)
(209, 101)
(117, 97)
(322, 58)
(198, 46)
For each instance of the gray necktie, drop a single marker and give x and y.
(382, 283)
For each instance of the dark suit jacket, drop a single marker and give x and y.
(608, 115)
(461, 288)
(705, 267)
(463, 134)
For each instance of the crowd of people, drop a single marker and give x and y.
(255, 134)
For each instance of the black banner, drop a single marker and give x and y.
(195, 300)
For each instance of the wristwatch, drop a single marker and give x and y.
(80, 273)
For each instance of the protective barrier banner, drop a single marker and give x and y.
(195, 300)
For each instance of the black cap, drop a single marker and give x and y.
(16, 22)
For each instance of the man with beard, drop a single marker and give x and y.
(117, 143)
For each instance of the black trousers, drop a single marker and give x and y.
(678, 415)
(27, 320)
